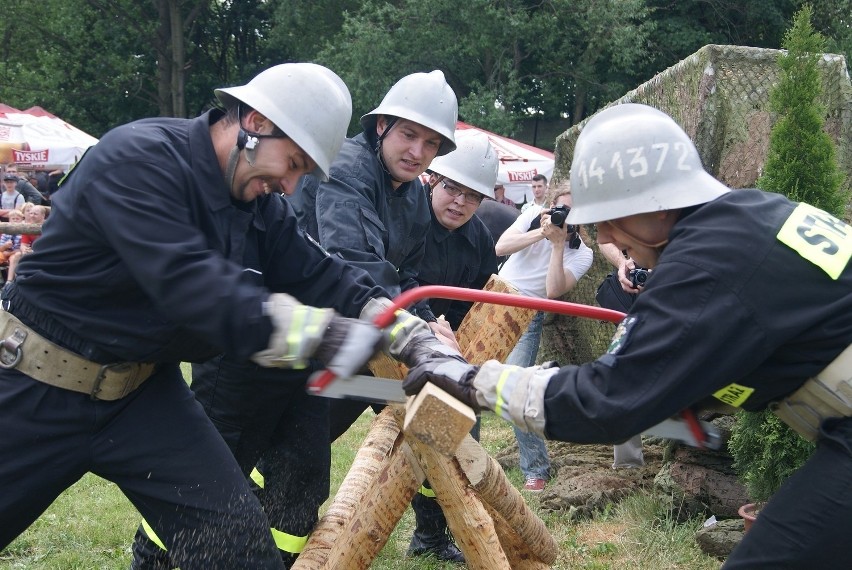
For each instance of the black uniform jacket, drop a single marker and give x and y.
(358, 215)
(730, 311)
(463, 257)
(144, 255)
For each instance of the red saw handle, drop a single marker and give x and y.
(319, 381)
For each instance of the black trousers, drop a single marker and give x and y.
(156, 444)
(808, 522)
(267, 419)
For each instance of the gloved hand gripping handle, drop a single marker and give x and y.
(322, 379)
(319, 381)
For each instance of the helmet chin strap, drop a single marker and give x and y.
(245, 141)
(378, 149)
(438, 179)
(233, 158)
(248, 141)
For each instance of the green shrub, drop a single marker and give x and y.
(765, 452)
(801, 164)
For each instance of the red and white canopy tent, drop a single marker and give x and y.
(519, 162)
(37, 139)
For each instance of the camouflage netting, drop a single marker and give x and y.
(720, 96)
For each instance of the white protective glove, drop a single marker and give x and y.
(302, 332)
(514, 393)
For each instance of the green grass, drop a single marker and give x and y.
(91, 526)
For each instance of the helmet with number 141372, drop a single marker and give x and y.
(632, 159)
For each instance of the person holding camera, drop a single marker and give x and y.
(618, 291)
(546, 259)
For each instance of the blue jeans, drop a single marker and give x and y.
(534, 459)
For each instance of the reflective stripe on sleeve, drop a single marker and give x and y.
(501, 383)
(257, 477)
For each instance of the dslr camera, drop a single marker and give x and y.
(638, 277)
(557, 218)
(558, 215)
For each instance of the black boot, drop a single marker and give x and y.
(431, 536)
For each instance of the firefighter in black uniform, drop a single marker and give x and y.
(749, 303)
(266, 412)
(459, 252)
(139, 268)
(459, 247)
(374, 213)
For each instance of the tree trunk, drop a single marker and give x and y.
(520, 554)
(378, 511)
(178, 62)
(490, 331)
(164, 59)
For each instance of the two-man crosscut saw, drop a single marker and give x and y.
(687, 428)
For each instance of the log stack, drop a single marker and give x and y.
(428, 438)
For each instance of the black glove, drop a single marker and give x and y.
(348, 344)
(452, 374)
(422, 347)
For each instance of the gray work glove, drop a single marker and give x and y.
(515, 394)
(301, 332)
(409, 338)
(348, 344)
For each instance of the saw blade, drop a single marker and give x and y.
(367, 388)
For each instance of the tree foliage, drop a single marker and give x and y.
(766, 452)
(801, 163)
(99, 63)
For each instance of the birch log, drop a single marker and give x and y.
(467, 517)
(488, 479)
(372, 458)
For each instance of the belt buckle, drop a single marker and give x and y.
(11, 350)
(102, 372)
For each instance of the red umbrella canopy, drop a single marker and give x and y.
(35, 138)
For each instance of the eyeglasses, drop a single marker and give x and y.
(474, 198)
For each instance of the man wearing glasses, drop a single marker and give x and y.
(459, 247)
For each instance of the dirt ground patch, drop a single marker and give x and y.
(584, 481)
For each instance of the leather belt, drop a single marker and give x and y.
(826, 395)
(23, 349)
